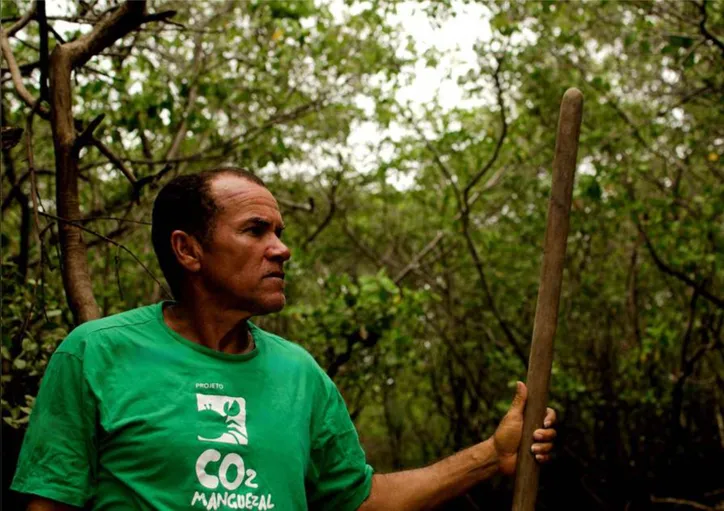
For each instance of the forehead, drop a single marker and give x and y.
(237, 197)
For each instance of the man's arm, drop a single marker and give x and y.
(41, 504)
(426, 488)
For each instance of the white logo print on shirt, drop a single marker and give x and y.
(224, 419)
(227, 481)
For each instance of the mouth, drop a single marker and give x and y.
(275, 275)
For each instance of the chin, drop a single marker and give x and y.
(271, 306)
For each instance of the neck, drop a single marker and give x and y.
(207, 323)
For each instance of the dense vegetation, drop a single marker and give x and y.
(417, 299)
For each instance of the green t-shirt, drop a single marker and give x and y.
(130, 415)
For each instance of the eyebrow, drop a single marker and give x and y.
(262, 222)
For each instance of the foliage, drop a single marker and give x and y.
(420, 300)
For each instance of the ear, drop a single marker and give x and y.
(187, 249)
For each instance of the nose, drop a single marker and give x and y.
(278, 251)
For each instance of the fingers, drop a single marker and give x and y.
(550, 419)
(543, 438)
(544, 435)
(542, 448)
(542, 452)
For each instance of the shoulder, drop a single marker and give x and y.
(292, 354)
(78, 340)
(283, 347)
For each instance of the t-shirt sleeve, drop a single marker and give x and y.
(57, 459)
(339, 477)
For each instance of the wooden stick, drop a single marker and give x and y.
(546, 314)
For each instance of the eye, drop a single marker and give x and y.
(280, 232)
(257, 230)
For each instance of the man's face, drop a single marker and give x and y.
(243, 261)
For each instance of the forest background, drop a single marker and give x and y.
(416, 226)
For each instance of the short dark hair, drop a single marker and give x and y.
(185, 203)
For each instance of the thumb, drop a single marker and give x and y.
(521, 394)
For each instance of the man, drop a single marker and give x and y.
(186, 404)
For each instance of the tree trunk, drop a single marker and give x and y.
(76, 277)
(66, 57)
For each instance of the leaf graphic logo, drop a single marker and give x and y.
(222, 419)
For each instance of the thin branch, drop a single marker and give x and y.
(685, 99)
(86, 136)
(25, 69)
(685, 361)
(332, 199)
(224, 147)
(28, 317)
(118, 272)
(635, 128)
(704, 31)
(115, 160)
(16, 188)
(17, 78)
(323, 224)
(24, 20)
(94, 218)
(31, 170)
(108, 240)
(308, 207)
(198, 65)
(57, 36)
(501, 137)
(365, 250)
(681, 502)
(107, 10)
(194, 157)
(489, 295)
(160, 16)
(700, 288)
(27, 44)
(415, 262)
(43, 25)
(438, 160)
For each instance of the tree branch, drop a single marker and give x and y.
(43, 25)
(25, 69)
(31, 170)
(501, 137)
(681, 502)
(489, 295)
(24, 20)
(308, 207)
(198, 61)
(704, 31)
(108, 240)
(107, 31)
(698, 287)
(115, 160)
(160, 16)
(86, 136)
(17, 78)
(363, 248)
(415, 262)
(438, 161)
(331, 198)
(323, 224)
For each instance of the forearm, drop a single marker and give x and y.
(426, 488)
